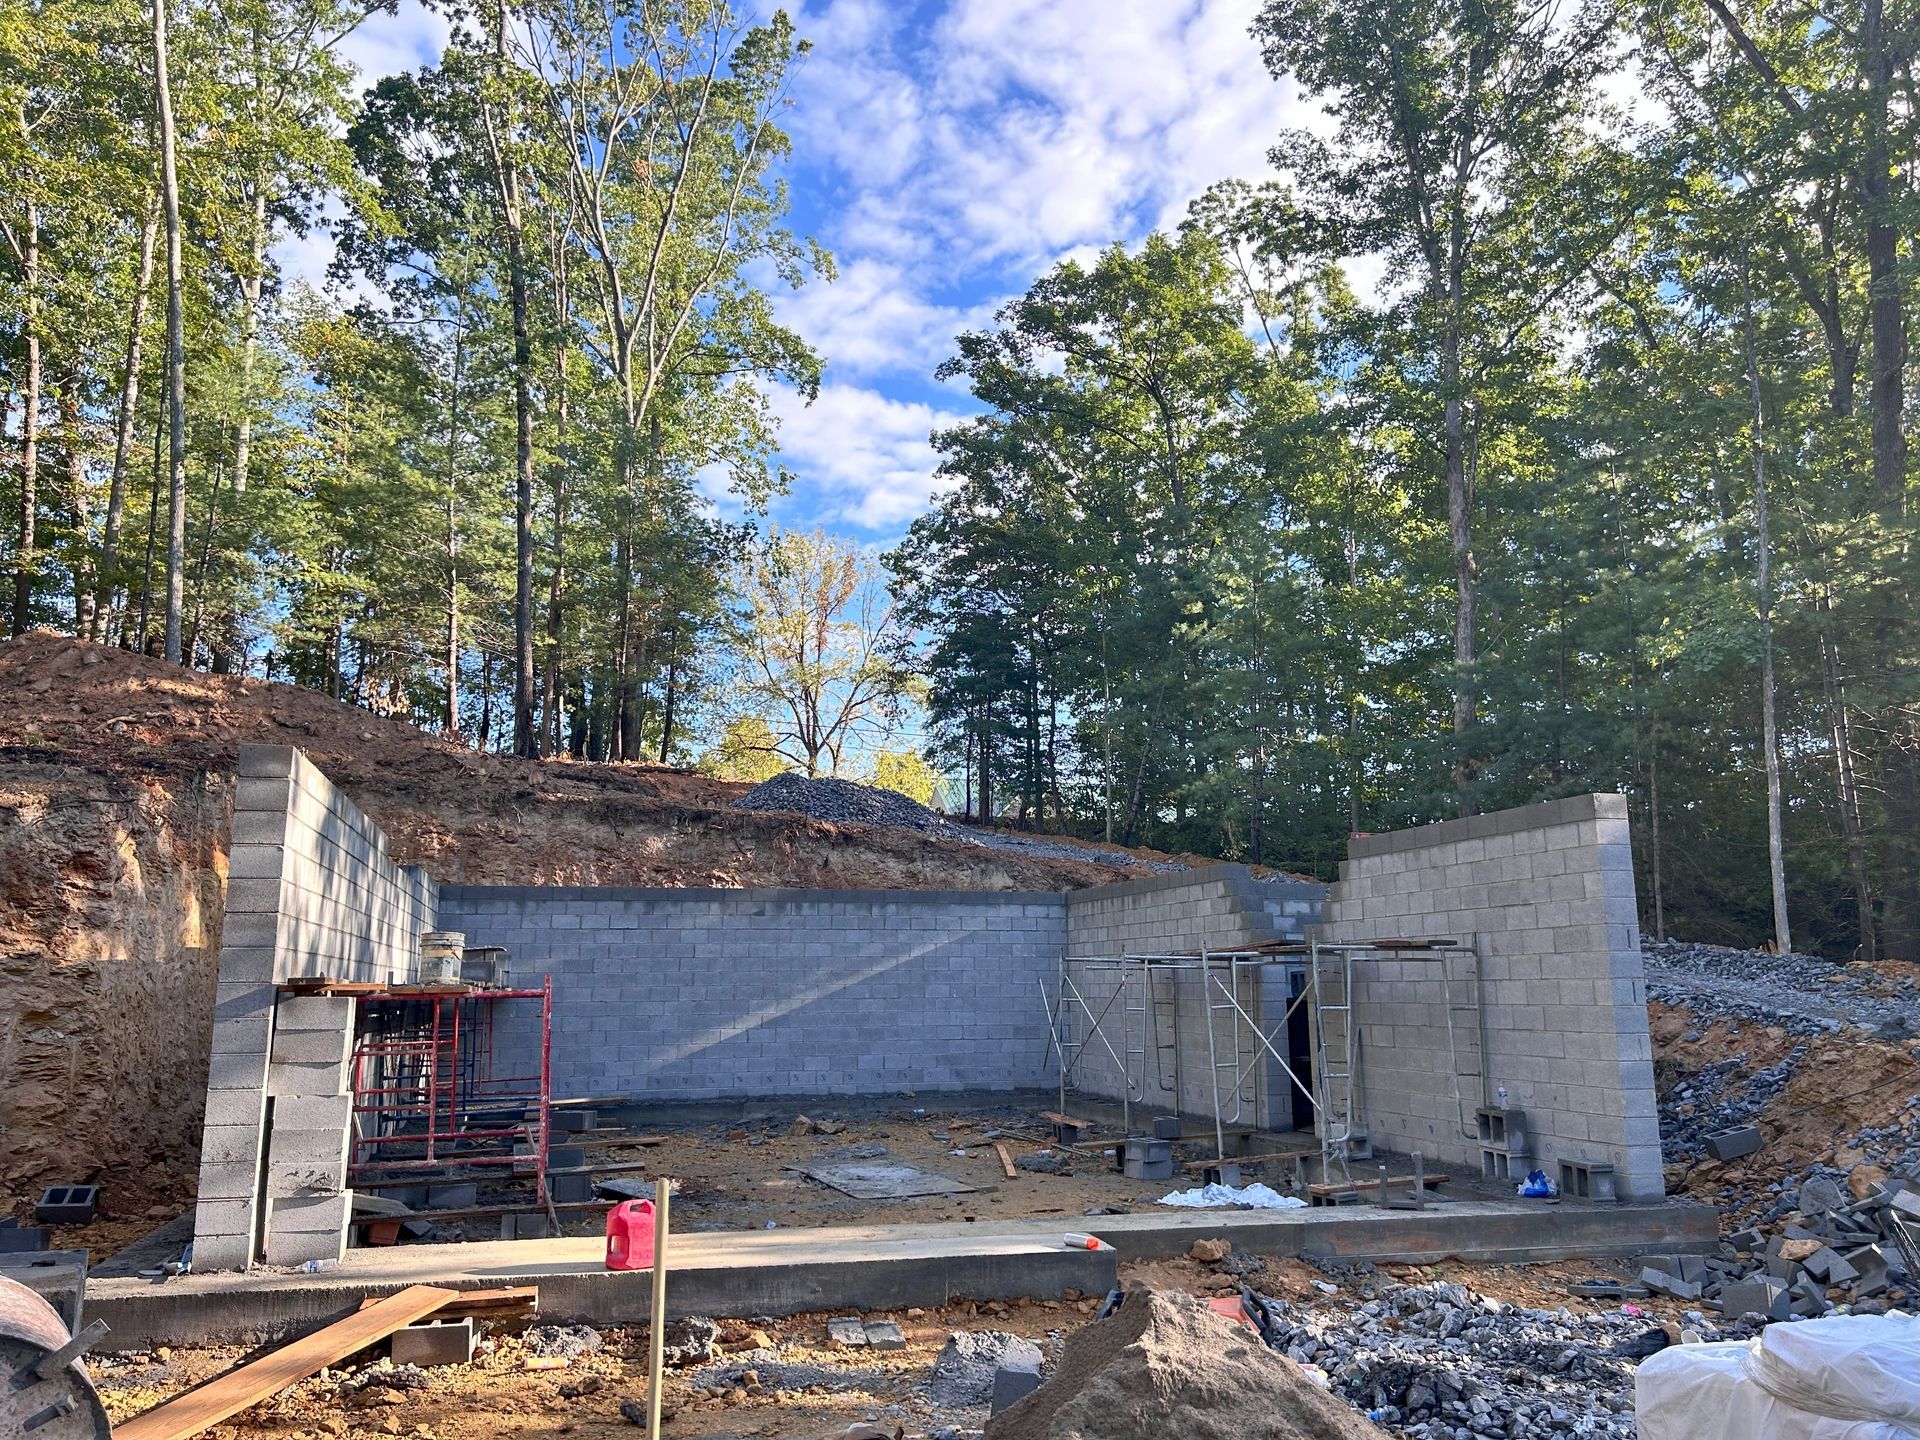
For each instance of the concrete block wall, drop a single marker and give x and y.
(1218, 907)
(1546, 895)
(1221, 907)
(698, 994)
(311, 891)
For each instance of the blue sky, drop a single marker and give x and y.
(947, 152)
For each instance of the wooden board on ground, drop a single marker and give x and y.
(1054, 1117)
(261, 1379)
(1006, 1160)
(1327, 1189)
(1194, 1167)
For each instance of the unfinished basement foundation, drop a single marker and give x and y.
(793, 996)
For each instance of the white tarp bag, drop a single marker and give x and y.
(1849, 1377)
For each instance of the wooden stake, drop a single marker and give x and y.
(657, 1340)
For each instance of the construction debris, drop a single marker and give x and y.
(1163, 1364)
(963, 1375)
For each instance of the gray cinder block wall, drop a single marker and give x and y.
(1221, 907)
(697, 994)
(310, 891)
(1545, 894)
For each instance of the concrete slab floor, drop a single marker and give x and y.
(870, 1268)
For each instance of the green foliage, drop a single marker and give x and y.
(905, 772)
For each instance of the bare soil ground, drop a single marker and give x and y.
(499, 1398)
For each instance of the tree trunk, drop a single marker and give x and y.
(450, 719)
(666, 702)
(228, 645)
(1776, 853)
(176, 347)
(73, 445)
(556, 583)
(106, 586)
(1847, 783)
(24, 560)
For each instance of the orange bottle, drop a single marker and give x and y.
(630, 1236)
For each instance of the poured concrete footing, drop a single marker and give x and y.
(875, 1268)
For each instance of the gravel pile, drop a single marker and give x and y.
(1802, 994)
(846, 803)
(843, 802)
(1439, 1362)
(1719, 1097)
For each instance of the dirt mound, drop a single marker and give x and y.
(1165, 1365)
(115, 789)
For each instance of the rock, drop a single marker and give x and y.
(691, 1341)
(963, 1373)
(802, 1126)
(847, 1331)
(1209, 1251)
(1862, 1180)
(565, 1341)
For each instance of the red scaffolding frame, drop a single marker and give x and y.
(426, 1100)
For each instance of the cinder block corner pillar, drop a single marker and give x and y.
(308, 1205)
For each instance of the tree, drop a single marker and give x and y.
(817, 644)
(1445, 112)
(905, 772)
(176, 343)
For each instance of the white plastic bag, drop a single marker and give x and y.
(1850, 1377)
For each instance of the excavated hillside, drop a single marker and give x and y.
(115, 795)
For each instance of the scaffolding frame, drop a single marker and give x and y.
(1333, 1088)
(426, 1099)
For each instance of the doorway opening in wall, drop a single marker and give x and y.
(1299, 1050)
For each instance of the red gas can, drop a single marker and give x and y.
(630, 1236)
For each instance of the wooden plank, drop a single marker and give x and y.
(1054, 1117)
(1196, 1166)
(1006, 1160)
(1361, 1187)
(479, 1302)
(234, 1391)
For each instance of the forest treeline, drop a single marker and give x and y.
(1542, 429)
(1600, 482)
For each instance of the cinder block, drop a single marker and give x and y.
(312, 1047)
(1733, 1143)
(315, 1012)
(223, 1217)
(299, 1247)
(449, 1342)
(1760, 1294)
(326, 1113)
(223, 1252)
(296, 1080)
(230, 1144)
(307, 1214)
(235, 1107)
(242, 1070)
(235, 1181)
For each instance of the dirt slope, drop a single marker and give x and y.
(115, 793)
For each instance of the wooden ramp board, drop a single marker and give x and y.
(261, 1379)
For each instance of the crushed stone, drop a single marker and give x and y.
(963, 1375)
(566, 1341)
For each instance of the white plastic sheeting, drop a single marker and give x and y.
(1206, 1197)
(1850, 1377)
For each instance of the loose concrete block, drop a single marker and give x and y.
(1012, 1384)
(847, 1331)
(1869, 1264)
(885, 1335)
(1733, 1143)
(1662, 1283)
(1760, 1295)
(452, 1197)
(449, 1342)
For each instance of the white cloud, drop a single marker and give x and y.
(866, 452)
(391, 44)
(871, 320)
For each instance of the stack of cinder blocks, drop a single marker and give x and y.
(308, 1204)
(310, 892)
